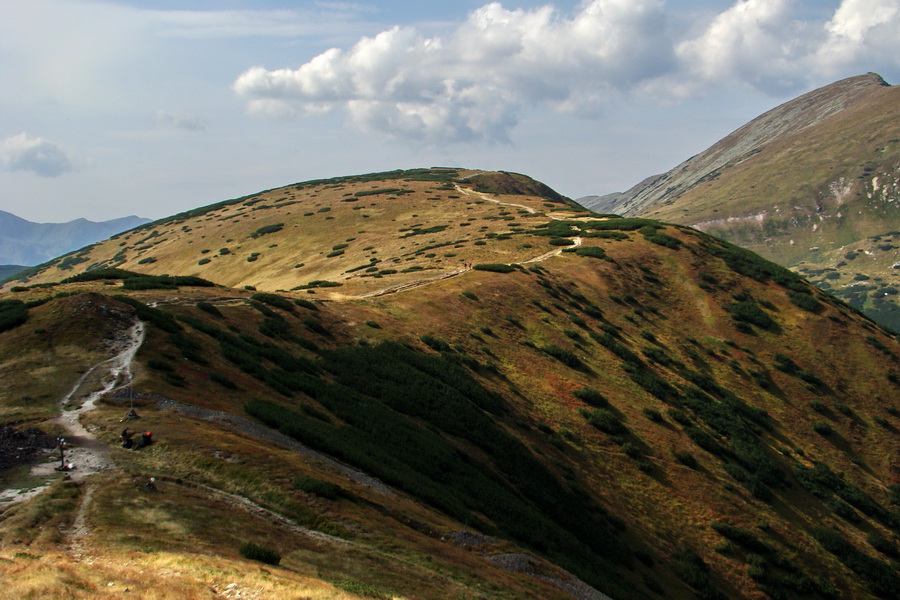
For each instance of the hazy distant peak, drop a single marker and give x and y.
(24, 242)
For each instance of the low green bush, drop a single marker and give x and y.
(265, 230)
(606, 421)
(686, 458)
(305, 304)
(805, 301)
(748, 311)
(210, 308)
(223, 381)
(495, 267)
(653, 415)
(591, 396)
(12, 314)
(315, 326)
(317, 487)
(591, 251)
(252, 551)
(273, 300)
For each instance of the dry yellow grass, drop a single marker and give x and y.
(55, 575)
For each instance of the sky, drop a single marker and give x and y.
(111, 108)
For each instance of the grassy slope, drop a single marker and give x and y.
(813, 196)
(673, 300)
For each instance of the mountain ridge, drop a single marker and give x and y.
(29, 243)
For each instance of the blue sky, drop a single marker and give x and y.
(113, 108)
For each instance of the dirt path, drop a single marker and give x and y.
(556, 252)
(410, 285)
(258, 431)
(83, 451)
(255, 509)
(489, 199)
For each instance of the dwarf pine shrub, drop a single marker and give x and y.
(252, 551)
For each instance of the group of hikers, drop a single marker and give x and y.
(126, 437)
(128, 442)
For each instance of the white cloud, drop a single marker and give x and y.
(42, 157)
(862, 31)
(471, 84)
(475, 81)
(754, 41)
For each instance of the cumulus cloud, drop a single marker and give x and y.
(187, 123)
(861, 30)
(42, 157)
(473, 83)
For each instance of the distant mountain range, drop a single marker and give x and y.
(813, 184)
(23, 242)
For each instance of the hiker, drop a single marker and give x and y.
(150, 486)
(127, 442)
(146, 440)
(61, 441)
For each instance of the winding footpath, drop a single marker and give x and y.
(84, 451)
(410, 285)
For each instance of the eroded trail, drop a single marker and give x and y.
(463, 190)
(410, 285)
(86, 453)
(83, 451)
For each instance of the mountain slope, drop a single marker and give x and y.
(806, 185)
(647, 407)
(28, 243)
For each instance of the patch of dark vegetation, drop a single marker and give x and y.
(267, 229)
(820, 481)
(691, 569)
(252, 551)
(319, 488)
(139, 281)
(223, 381)
(395, 406)
(155, 316)
(748, 311)
(274, 300)
(592, 251)
(495, 267)
(805, 301)
(306, 304)
(606, 421)
(591, 396)
(318, 283)
(209, 308)
(880, 578)
(786, 365)
(424, 231)
(12, 314)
